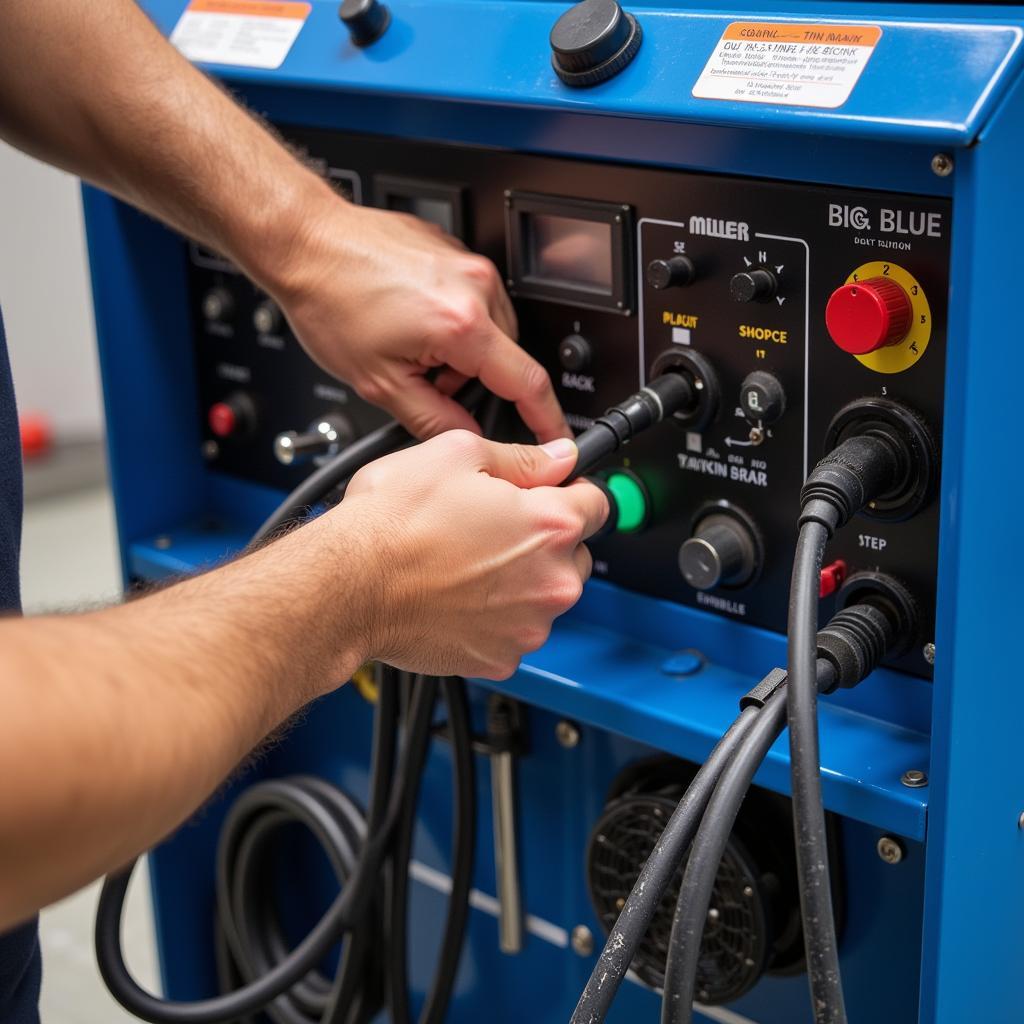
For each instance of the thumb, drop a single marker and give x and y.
(528, 465)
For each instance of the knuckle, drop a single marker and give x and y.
(535, 379)
(480, 270)
(532, 638)
(372, 390)
(462, 318)
(460, 443)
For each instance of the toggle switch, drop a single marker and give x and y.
(324, 439)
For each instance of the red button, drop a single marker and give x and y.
(223, 419)
(868, 315)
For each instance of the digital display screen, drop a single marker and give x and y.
(570, 252)
(434, 211)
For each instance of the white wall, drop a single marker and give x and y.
(45, 297)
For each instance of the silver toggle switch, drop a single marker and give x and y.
(324, 438)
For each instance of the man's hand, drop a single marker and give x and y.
(477, 551)
(380, 298)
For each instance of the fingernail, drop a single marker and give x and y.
(560, 448)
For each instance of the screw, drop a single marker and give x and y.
(914, 779)
(568, 734)
(1020, 821)
(942, 165)
(929, 653)
(713, 914)
(890, 850)
(618, 219)
(748, 891)
(582, 940)
(163, 542)
(620, 902)
(210, 450)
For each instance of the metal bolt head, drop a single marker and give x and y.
(890, 850)
(568, 734)
(914, 779)
(942, 165)
(582, 940)
(210, 450)
(713, 914)
(1020, 821)
(929, 653)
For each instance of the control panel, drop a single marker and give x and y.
(793, 309)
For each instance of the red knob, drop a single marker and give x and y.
(868, 315)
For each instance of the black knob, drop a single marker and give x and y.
(366, 20)
(753, 286)
(574, 353)
(266, 317)
(721, 552)
(762, 397)
(593, 41)
(673, 273)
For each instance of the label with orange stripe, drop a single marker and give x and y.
(244, 33)
(788, 63)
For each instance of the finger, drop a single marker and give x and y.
(424, 411)
(584, 562)
(510, 373)
(589, 503)
(448, 381)
(502, 311)
(527, 465)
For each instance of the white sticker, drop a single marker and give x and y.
(786, 63)
(245, 33)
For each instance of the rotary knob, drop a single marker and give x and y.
(721, 552)
(753, 285)
(865, 316)
(218, 304)
(574, 353)
(762, 397)
(672, 273)
(233, 417)
(366, 20)
(266, 317)
(593, 41)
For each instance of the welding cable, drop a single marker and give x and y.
(658, 871)
(463, 848)
(345, 913)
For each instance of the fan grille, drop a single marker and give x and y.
(735, 945)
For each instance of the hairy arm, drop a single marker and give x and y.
(94, 88)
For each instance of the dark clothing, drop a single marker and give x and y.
(20, 963)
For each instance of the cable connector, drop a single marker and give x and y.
(663, 397)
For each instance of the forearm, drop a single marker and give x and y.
(118, 724)
(96, 89)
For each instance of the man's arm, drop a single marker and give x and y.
(377, 298)
(116, 724)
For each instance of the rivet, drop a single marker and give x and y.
(914, 779)
(1020, 821)
(890, 850)
(568, 734)
(942, 165)
(582, 940)
(713, 914)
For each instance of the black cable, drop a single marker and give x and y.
(808, 811)
(707, 851)
(655, 876)
(343, 914)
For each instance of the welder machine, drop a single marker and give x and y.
(767, 254)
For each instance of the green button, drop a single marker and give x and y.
(631, 499)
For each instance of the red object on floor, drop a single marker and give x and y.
(832, 577)
(36, 435)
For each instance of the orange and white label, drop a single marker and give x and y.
(245, 33)
(787, 63)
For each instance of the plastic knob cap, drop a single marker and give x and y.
(868, 315)
(753, 286)
(593, 41)
(721, 552)
(762, 397)
(234, 416)
(366, 20)
(673, 273)
(574, 353)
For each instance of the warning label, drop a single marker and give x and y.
(798, 65)
(245, 33)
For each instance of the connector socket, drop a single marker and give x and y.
(907, 434)
(894, 599)
(700, 374)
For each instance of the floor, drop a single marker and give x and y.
(69, 560)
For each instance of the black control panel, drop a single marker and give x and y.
(785, 302)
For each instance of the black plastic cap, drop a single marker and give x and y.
(366, 20)
(593, 41)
